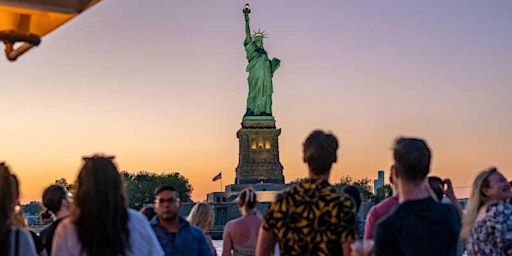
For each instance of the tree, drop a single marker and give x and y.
(141, 186)
(383, 193)
(63, 182)
(365, 188)
(363, 185)
(344, 181)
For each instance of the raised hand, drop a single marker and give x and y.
(448, 189)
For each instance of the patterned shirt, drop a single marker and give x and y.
(492, 235)
(311, 219)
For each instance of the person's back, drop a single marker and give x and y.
(377, 213)
(141, 237)
(47, 235)
(21, 242)
(243, 233)
(303, 223)
(101, 224)
(311, 218)
(419, 227)
(55, 199)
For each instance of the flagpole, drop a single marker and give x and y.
(220, 181)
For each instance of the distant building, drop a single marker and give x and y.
(32, 219)
(379, 182)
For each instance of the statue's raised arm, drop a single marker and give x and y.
(247, 10)
(261, 70)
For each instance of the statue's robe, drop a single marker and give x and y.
(261, 70)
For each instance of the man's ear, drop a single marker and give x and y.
(396, 172)
(392, 174)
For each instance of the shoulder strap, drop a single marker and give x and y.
(16, 242)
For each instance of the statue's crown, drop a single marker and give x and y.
(259, 33)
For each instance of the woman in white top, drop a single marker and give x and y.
(13, 241)
(101, 223)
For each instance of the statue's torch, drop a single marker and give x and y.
(247, 8)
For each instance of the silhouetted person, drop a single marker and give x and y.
(57, 203)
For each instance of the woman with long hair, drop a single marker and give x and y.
(13, 240)
(487, 225)
(101, 223)
(57, 203)
(241, 234)
(202, 216)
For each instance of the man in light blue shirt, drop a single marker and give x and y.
(175, 234)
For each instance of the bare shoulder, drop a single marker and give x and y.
(65, 225)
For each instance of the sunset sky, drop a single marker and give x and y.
(162, 86)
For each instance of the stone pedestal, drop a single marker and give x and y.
(259, 152)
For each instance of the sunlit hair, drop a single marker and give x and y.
(7, 201)
(319, 151)
(247, 201)
(201, 215)
(52, 199)
(476, 200)
(101, 215)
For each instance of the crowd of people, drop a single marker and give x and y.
(422, 217)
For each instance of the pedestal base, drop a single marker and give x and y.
(259, 152)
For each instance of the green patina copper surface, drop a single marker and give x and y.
(261, 71)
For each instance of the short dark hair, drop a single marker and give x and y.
(412, 157)
(166, 188)
(320, 151)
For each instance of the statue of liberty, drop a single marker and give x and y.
(260, 69)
